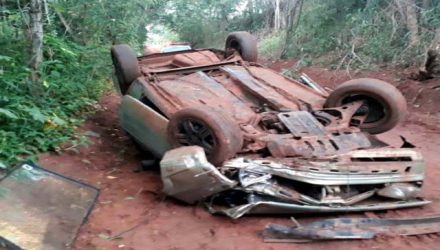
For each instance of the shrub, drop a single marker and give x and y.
(271, 46)
(40, 117)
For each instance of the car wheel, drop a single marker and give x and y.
(244, 43)
(385, 103)
(215, 132)
(126, 66)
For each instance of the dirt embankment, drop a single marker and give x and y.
(130, 201)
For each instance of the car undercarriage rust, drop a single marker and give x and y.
(253, 96)
(246, 139)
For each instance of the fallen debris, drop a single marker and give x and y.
(243, 186)
(351, 229)
(7, 245)
(42, 210)
(188, 176)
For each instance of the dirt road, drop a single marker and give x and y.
(131, 200)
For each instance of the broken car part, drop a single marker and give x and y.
(351, 229)
(188, 176)
(344, 184)
(312, 84)
(144, 124)
(257, 204)
(42, 210)
(7, 245)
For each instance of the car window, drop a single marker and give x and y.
(175, 48)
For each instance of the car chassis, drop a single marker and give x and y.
(245, 139)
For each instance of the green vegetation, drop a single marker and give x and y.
(361, 33)
(41, 108)
(339, 33)
(366, 33)
(50, 79)
(38, 117)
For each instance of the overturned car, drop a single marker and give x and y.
(246, 139)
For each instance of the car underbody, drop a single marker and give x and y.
(284, 147)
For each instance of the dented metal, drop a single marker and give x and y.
(260, 205)
(188, 176)
(244, 186)
(339, 170)
(400, 191)
(351, 229)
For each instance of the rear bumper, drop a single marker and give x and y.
(360, 167)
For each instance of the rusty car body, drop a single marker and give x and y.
(246, 139)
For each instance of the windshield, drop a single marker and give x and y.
(175, 48)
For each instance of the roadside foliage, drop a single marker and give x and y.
(41, 108)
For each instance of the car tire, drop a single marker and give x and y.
(214, 131)
(126, 66)
(386, 104)
(244, 43)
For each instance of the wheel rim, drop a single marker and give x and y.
(376, 109)
(236, 46)
(195, 132)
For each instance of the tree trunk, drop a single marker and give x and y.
(2, 14)
(277, 16)
(269, 16)
(436, 41)
(46, 12)
(412, 23)
(36, 33)
(250, 8)
(409, 9)
(2, 5)
(84, 26)
(295, 8)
